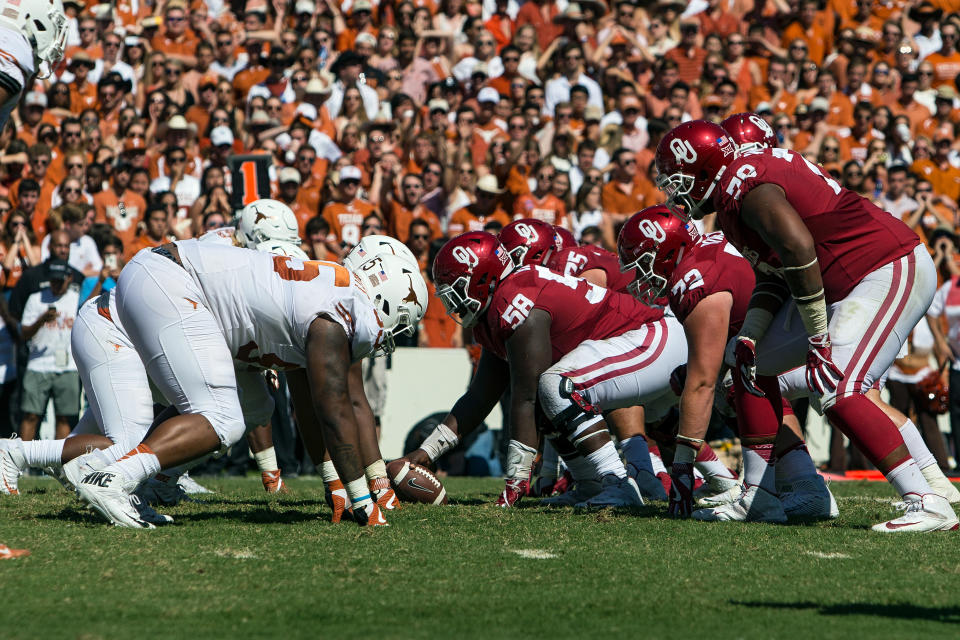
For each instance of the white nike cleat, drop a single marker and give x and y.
(12, 465)
(940, 484)
(650, 486)
(191, 486)
(581, 492)
(75, 470)
(754, 505)
(928, 512)
(616, 492)
(148, 513)
(716, 491)
(56, 472)
(809, 498)
(108, 492)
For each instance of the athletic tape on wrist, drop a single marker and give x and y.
(755, 323)
(685, 454)
(440, 440)
(813, 313)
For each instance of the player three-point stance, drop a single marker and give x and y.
(192, 310)
(709, 286)
(826, 260)
(575, 347)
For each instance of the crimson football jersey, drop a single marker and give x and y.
(710, 266)
(578, 310)
(573, 261)
(852, 236)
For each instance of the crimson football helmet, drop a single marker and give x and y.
(565, 239)
(467, 270)
(529, 241)
(749, 131)
(651, 244)
(690, 160)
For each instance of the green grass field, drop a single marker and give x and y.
(243, 565)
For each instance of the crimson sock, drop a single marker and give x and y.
(867, 426)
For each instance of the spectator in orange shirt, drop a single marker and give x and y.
(774, 90)
(688, 55)
(400, 214)
(156, 231)
(176, 41)
(83, 93)
(808, 29)
(624, 194)
(360, 22)
(288, 180)
(541, 203)
(541, 14)
(907, 105)
(346, 213)
(944, 177)
(946, 61)
(486, 209)
(124, 219)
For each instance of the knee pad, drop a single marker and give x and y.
(564, 406)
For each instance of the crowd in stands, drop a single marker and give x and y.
(426, 118)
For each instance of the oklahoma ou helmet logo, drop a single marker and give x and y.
(465, 256)
(652, 229)
(529, 233)
(683, 151)
(760, 124)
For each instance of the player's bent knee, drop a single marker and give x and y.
(566, 408)
(228, 430)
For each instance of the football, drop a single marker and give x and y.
(414, 483)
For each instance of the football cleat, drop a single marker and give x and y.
(810, 498)
(615, 492)
(272, 482)
(370, 515)
(12, 465)
(6, 553)
(546, 486)
(928, 512)
(57, 474)
(108, 493)
(754, 505)
(383, 493)
(336, 498)
(75, 470)
(581, 492)
(148, 513)
(717, 491)
(650, 485)
(513, 490)
(191, 486)
(162, 490)
(940, 484)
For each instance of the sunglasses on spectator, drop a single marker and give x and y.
(213, 224)
(224, 43)
(40, 161)
(173, 71)
(799, 47)
(15, 223)
(832, 149)
(71, 190)
(75, 165)
(372, 227)
(854, 174)
(628, 161)
(177, 159)
(419, 236)
(918, 190)
(435, 172)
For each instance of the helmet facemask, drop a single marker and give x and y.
(646, 286)
(677, 187)
(459, 305)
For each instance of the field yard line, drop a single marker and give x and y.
(533, 554)
(828, 556)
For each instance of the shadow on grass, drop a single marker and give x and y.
(948, 615)
(467, 502)
(255, 516)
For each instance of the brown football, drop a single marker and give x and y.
(414, 483)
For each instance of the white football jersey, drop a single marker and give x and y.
(264, 304)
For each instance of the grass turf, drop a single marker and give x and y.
(244, 565)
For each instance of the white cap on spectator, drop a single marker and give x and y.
(489, 184)
(438, 104)
(288, 174)
(305, 6)
(258, 90)
(488, 94)
(306, 110)
(367, 38)
(221, 135)
(764, 107)
(316, 85)
(820, 104)
(35, 99)
(178, 123)
(102, 11)
(350, 172)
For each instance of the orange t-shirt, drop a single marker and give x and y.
(946, 182)
(945, 68)
(185, 45)
(345, 220)
(399, 219)
(818, 41)
(124, 220)
(616, 200)
(549, 208)
(438, 326)
(464, 220)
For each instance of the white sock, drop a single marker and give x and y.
(606, 461)
(550, 462)
(115, 452)
(358, 492)
(657, 462)
(375, 470)
(266, 459)
(581, 469)
(757, 470)
(139, 463)
(637, 453)
(519, 460)
(796, 463)
(915, 445)
(43, 453)
(906, 478)
(328, 472)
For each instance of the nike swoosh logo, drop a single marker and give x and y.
(413, 483)
(891, 525)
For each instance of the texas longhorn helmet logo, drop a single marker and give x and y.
(465, 256)
(411, 294)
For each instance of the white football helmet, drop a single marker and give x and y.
(44, 24)
(283, 249)
(373, 246)
(398, 293)
(266, 220)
